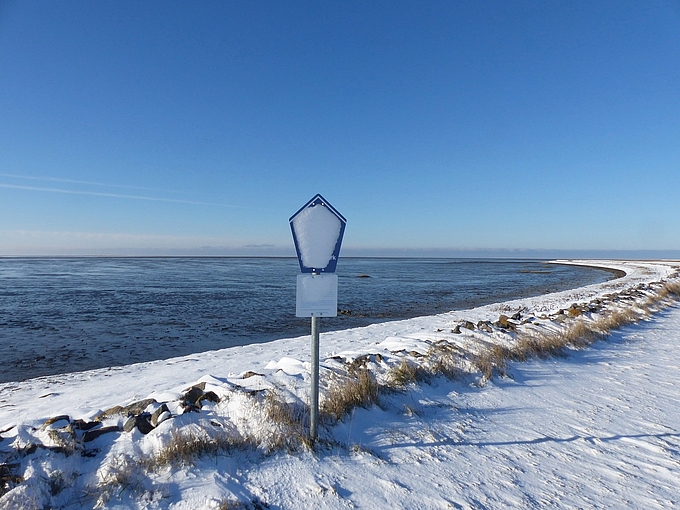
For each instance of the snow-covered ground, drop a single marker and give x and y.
(598, 428)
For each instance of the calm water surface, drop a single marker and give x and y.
(70, 314)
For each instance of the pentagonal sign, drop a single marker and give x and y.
(317, 232)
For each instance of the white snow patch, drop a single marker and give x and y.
(317, 230)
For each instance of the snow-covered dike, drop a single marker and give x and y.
(599, 429)
(596, 429)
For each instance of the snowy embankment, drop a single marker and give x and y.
(212, 430)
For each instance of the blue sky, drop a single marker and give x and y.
(452, 127)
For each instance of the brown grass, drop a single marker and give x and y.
(616, 320)
(407, 372)
(233, 504)
(286, 424)
(185, 446)
(673, 288)
(118, 474)
(358, 390)
(492, 360)
(8, 479)
(444, 358)
(579, 334)
(669, 290)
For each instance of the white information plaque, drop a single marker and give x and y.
(316, 295)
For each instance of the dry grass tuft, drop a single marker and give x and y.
(492, 360)
(673, 288)
(57, 482)
(8, 479)
(617, 319)
(580, 334)
(536, 345)
(63, 441)
(186, 445)
(118, 474)
(407, 373)
(444, 358)
(358, 390)
(533, 344)
(286, 421)
(231, 504)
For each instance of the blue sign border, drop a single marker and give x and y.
(332, 263)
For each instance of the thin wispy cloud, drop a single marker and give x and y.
(88, 183)
(112, 195)
(113, 236)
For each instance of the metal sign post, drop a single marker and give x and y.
(317, 233)
(314, 397)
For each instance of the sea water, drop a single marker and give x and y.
(62, 315)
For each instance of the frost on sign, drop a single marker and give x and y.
(317, 231)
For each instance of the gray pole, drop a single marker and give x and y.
(314, 404)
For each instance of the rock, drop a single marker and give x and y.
(110, 412)
(144, 425)
(129, 425)
(137, 408)
(141, 422)
(484, 326)
(456, 330)
(469, 325)
(91, 435)
(192, 400)
(162, 417)
(192, 396)
(560, 317)
(360, 362)
(344, 312)
(575, 310)
(155, 417)
(250, 373)
(52, 421)
(504, 323)
(516, 317)
(200, 385)
(210, 396)
(84, 425)
(129, 410)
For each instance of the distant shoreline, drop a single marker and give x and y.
(618, 273)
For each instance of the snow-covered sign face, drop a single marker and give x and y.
(317, 231)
